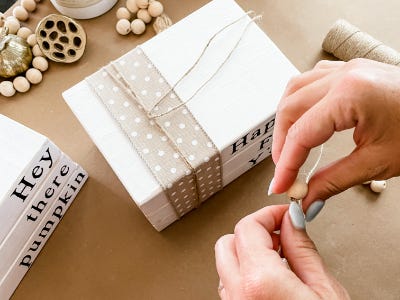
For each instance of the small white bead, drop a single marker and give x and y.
(36, 51)
(144, 15)
(13, 25)
(40, 63)
(31, 40)
(21, 84)
(24, 32)
(298, 190)
(123, 27)
(378, 186)
(138, 26)
(123, 13)
(142, 3)
(20, 13)
(34, 76)
(29, 5)
(155, 9)
(7, 88)
(132, 6)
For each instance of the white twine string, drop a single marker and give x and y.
(321, 149)
(152, 116)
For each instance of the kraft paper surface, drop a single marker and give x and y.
(105, 248)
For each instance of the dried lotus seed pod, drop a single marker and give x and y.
(60, 38)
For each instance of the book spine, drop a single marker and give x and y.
(34, 212)
(21, 193)
(39, 237)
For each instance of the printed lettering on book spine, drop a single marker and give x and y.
(34, 212)
(12, 206)
(40, 236)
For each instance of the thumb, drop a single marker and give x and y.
(301, 253)
(344, 173)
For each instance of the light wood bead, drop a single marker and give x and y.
(378, 186)
(36, 51)
(367, 182)
(7, 88)
(34, 76)
(155, 9)
(123, 13)
(31, 40)
(142, 3)
(20, 13)
(144, 15)
(138, 26)
(40, 63)
(298, 190)
(21, 84)
(24, 32)
(132, 6)
(29, 5)
(123, 26)
(13, 25)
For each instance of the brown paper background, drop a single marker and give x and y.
(105, 249)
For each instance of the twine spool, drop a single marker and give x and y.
(345, 41)
(161, 23)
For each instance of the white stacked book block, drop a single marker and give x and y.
(236, 108)
(39, 182)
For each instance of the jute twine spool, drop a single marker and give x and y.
(345, 41)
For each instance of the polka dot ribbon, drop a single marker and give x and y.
(175, 148)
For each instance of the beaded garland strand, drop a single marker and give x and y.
(39, 63)
(136, 14)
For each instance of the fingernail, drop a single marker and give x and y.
(297, 216)
(314, 210)
(271, 186)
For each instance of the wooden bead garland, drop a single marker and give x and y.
(33, 75)
(298, 190)
(142, 12)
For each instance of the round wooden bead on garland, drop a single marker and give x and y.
(138, 26)
(378, 186)
(34, 76)
(298, 190)
(142, 12)
(29, 5)
(20, 13)
(123, 26)
(7, 88)
(40, 63)
(21, 84)
(12, 24)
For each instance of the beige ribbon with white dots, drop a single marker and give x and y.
(176, 149)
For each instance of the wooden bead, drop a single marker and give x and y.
(20, 13)
(36, 51)
(31, 40)
(298, 190)
(142, 3)
(29, 5)
(40, 63)
(21, 84)
(132, 6)
(123, 26)
(13, 25)
(34, 76)
(378, 186)
(138, 26)
(7, 88)
(24, 32)
(367, 182)
(155, 9)
(144, 15)
(123, 13)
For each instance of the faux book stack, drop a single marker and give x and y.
(187, 112)
(38, 184)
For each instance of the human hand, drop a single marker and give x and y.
(250, 267)
(335, 96)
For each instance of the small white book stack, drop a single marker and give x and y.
(38, 184)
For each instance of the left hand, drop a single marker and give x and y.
(250, 267)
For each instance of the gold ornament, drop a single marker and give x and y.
(15, 54)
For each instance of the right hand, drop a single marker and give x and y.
(334, 96)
